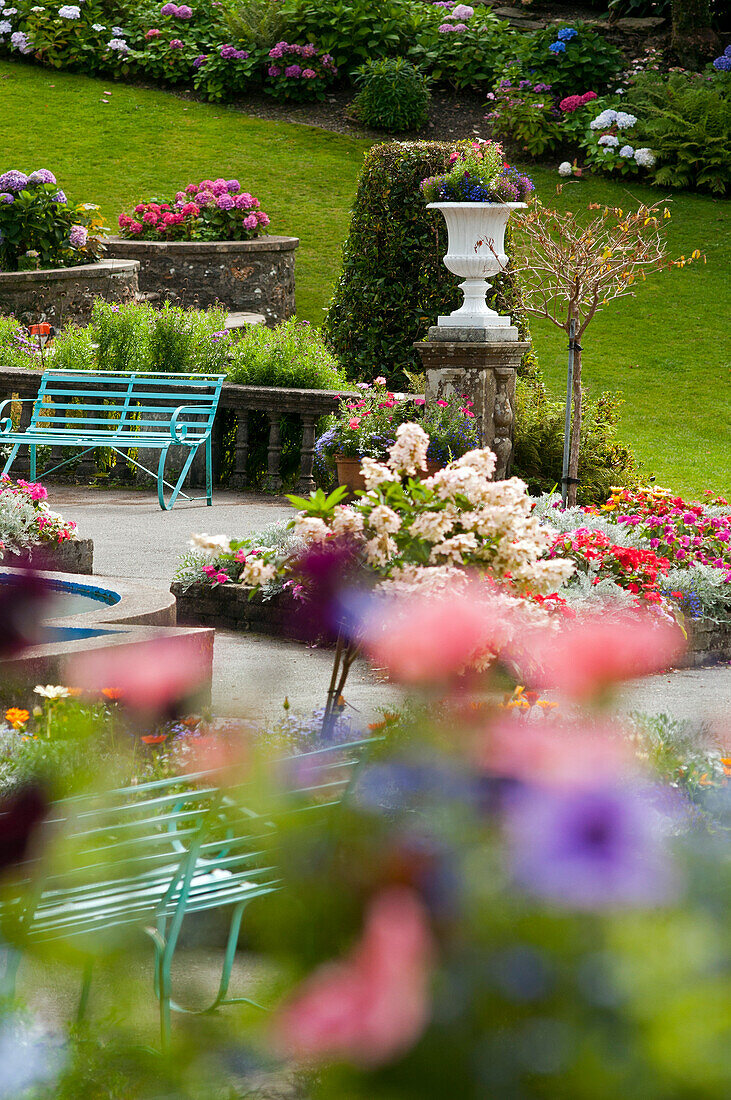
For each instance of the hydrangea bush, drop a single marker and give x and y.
(299, 72)
(40, 228)
(524, 113)
(212, 210)
(611, 145)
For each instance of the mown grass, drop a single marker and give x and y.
(667, 349)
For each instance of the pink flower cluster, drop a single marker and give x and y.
(285, 52)
(216, 576)
(573, 102)
(219, 204)
(177, 12)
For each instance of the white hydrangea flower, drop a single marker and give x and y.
(311, 528)
(608, 140)
(624, 120)
(5, 26)
(346, 521)
(644, 157)
(408, 453)
(118, 44)
(380, 550)
(626, 151)
(256, 571)
(564, 168)
(384, 520)
(375, 473)
(606, 118)
(98, 27)
(454, 548)
(433, 526)
(69, 11)
(211, 544)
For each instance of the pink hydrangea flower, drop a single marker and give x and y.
(153, 33)
(309, 74)
(251, 222)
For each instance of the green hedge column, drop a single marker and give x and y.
(394, 284)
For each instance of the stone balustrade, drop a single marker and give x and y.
(237, 402)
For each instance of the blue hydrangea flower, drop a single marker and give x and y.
(557, 47)
(723, 63)
(566, 34)
(6, 198)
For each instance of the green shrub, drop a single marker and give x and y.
(538, 454)
(171, 339)
(477, 55)
(17, 349)
(686, 120)
(587, 63)
(394, 284)
(352, 31)
(292, 355)
(394, 95)
(257, 21)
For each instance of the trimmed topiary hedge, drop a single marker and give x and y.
(394, 284)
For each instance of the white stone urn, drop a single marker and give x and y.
(476, 249)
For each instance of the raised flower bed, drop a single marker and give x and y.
(205, 247)
(51, 265)
(31, 534)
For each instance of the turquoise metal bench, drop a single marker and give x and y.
(143, 858)
(128, 410)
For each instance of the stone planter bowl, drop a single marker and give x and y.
(243, 276)
(63, 294)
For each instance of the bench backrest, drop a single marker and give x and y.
(98, 401)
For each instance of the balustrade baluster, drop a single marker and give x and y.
(306, 481)
(241, 451)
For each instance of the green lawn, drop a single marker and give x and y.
(667, 350)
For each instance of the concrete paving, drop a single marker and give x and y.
(253, 673)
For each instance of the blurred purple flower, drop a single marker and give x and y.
(589, 847)
(20, 815)
(22, 596)
(327, 571)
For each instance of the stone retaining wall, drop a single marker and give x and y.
(228, 607)
(244, 276)
(70, 556)
(64, 294)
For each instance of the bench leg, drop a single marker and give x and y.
(32, 449)
(209, 471)
(85, 989)
(179, 483)
(10, 975)
(11, 458)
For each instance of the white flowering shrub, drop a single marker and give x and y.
(611, 144)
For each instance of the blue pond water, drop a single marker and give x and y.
(71, 598)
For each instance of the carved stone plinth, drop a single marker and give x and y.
(485, 372)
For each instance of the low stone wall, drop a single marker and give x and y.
(64, 294)
(255, 276)
(229, 607)
(70, 556)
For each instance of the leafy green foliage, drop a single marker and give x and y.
(293, 354)
(476, 56)
(256, 21)
(394, 284)
(38, 226)
(17, 349)
(394, 95)
(686, 120)
(351, 31)
(538, 453)
(588, 62)
(524, 117)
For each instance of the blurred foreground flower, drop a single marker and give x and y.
(593, 653)
(22, 596)
(373, 1005)
(149, 676)
(592, 847)
(20, 815)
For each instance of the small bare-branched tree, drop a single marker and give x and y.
(570, 267)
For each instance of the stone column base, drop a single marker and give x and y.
(485, 372)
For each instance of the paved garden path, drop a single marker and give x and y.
(253, 673)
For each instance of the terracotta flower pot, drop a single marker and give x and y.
(349, 472)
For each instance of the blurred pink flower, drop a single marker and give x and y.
(372, 1006)
(431, 638)
(151, 675)
(593, 653)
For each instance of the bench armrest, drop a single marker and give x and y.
(6, 422)
(180, 431)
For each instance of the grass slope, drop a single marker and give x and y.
(667, 350)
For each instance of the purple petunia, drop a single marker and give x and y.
(589, 848)
(13, 180)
